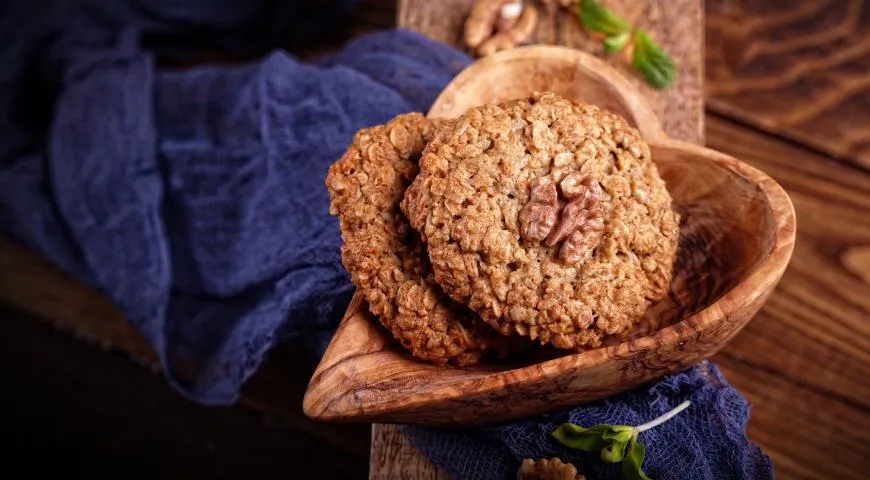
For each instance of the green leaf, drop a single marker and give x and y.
(631, 466)
(655, 65)
(599, 19)
(615, 43)
(587, 439)
(618, 438)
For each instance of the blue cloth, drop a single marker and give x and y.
(705, 441)
(194, 199)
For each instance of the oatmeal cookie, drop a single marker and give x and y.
(547, 218)
(547, 469)
(385, 257)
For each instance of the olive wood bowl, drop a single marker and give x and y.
(737, 236)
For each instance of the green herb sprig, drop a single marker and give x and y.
(648, 58)
(617, 443)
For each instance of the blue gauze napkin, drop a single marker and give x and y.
(194, 199)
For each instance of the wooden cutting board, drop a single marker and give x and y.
(677, 26)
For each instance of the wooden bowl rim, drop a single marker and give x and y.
(767, 273)
(639, 108)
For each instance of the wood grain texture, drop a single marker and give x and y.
(676, 25)
(798, 69)
(804, 361)
(395, 459)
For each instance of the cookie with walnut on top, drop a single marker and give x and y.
(547, 218)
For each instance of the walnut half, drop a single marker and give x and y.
(580, 224)
(538, 217)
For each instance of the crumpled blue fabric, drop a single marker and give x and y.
(193, 197)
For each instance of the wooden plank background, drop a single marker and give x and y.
(795, 69)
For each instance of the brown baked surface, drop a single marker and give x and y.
(476, 177)
(385, 257)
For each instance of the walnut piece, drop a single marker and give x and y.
(547, 469)
(538, 217)
(496, 25)
(580, 223)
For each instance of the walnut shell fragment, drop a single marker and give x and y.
(496, 25)
(538, 217)
(547, 469)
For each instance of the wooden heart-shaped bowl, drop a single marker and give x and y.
(737, 236)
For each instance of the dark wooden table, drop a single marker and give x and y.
(787, 90)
